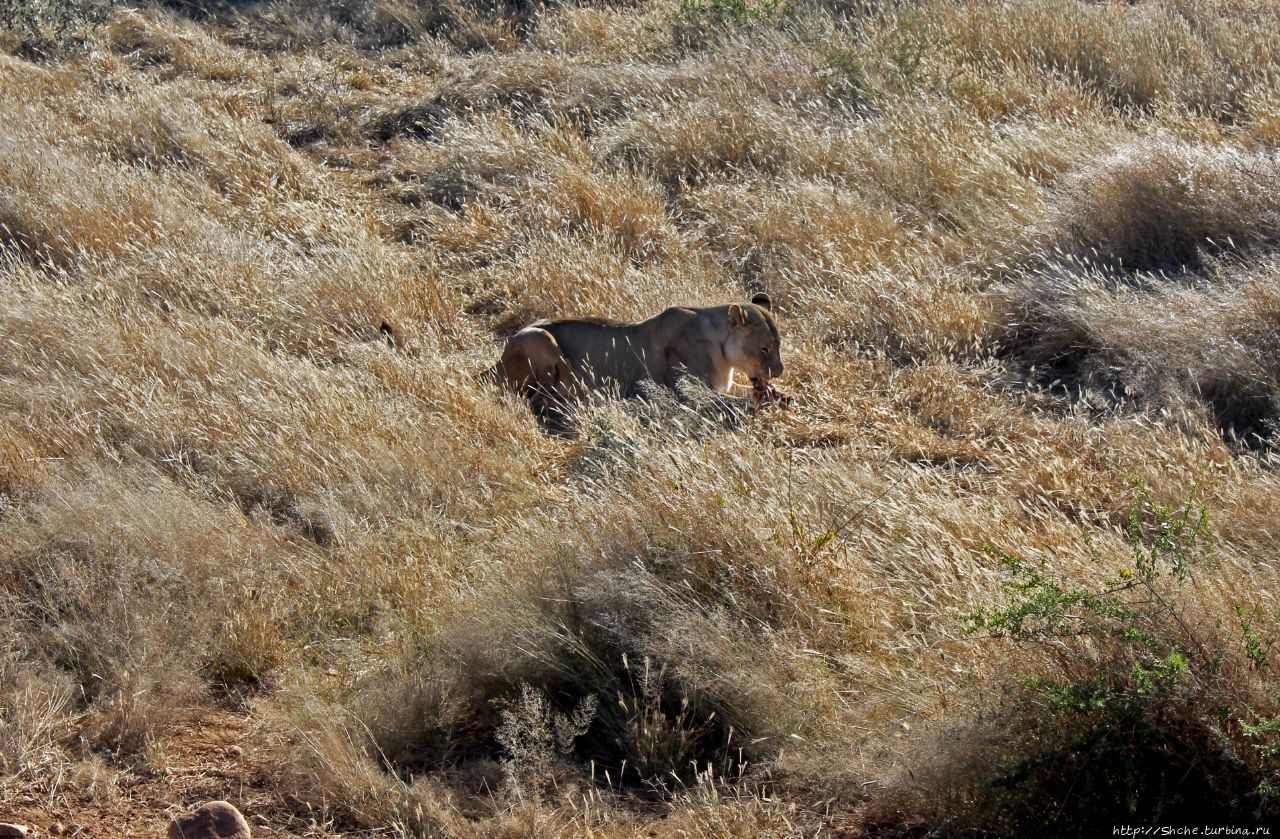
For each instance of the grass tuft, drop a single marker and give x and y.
(1163, 205)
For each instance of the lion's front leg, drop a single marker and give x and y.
(700, 366)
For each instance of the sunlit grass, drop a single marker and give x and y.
(1023, 261)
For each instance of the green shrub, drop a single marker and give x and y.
(1150, 713)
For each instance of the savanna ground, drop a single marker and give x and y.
(1009, 561)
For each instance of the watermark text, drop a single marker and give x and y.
(1189, 830)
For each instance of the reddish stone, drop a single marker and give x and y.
(215, 820)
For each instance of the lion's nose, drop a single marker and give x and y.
(775, 369)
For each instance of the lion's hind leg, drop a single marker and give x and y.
(533, 366)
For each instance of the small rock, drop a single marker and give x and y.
(57, 829)
(215, 820)
(12, 831)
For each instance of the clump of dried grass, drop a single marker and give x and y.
(1151, 285)
(110, 608)
(176, 47)
(480, 25)
(601, 32)
(1162, 205)
(1148, 295)
(38, 713)
(1201, 57)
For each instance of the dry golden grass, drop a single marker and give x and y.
(1024, 262)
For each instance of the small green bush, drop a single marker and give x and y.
(1150, 716)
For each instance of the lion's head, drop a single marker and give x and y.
(754, 346)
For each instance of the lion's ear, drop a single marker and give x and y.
(762, 300)
(737, 315)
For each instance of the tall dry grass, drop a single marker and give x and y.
(250, 261)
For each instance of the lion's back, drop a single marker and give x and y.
(604, 350)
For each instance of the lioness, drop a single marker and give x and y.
(555, 362)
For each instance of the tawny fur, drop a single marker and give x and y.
(555, 362)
